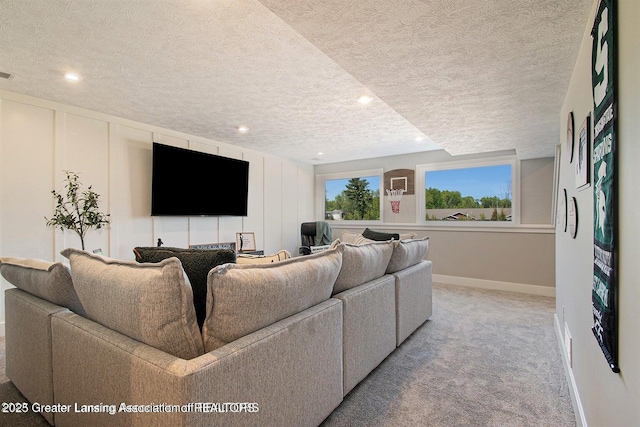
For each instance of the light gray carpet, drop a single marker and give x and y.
(485, 358)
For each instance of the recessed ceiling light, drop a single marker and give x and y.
(365, 99)
(71, 77)
(419, 138)
(243, 129)
(320, 153)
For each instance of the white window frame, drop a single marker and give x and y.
(422, 169)
(320, 193)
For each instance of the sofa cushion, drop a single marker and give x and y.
(407, 253)
(379, 235)
(362, 263)
(48, 280)
(196, 263)
(243, 298)
(151, 303)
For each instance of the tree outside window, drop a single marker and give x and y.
(352, 199)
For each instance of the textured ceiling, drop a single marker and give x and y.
(471, 76)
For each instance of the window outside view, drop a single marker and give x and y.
(469, 194)
(352, 199)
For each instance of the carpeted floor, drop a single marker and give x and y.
(485, 358)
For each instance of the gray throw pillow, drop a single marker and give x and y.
(47, 280)
(151, 303)
(407, 253)
(244, 298)
(355, 239)
(362, 263)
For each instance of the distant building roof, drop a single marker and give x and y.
(458, 215)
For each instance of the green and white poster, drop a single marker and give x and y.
(603, 75)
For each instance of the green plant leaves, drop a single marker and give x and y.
(78, 211)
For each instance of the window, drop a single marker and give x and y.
(479, 192)
(351, 196)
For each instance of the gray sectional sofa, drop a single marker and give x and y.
(116, 343)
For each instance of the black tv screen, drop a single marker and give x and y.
(189, 183)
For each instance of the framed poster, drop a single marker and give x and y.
(584, 154)
(245, 242)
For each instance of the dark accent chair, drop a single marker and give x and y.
(315, 233)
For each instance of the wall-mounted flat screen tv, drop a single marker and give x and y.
(190, 183)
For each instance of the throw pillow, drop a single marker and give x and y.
(244, 298)
(47, 280)
(196, 263)
(407, 236)
(355, 238)
(379, 236)
(407, 253)
(362, 263)
(349, 237)
(361, 240)
(151, 303)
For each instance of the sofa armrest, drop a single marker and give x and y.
(291, 371)
(28, 345)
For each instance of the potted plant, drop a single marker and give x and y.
(77, 210)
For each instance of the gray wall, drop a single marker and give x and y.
(604, 398)
(514, 258)
(535, 187)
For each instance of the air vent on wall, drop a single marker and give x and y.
(6, 75)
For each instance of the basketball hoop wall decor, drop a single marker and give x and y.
(399, 196)
(395, 196)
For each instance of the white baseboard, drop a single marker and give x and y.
(578, 410)
(547, 291)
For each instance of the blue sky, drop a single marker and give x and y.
(336, 186)
(477, 182)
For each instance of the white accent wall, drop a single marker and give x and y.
(40, 139)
